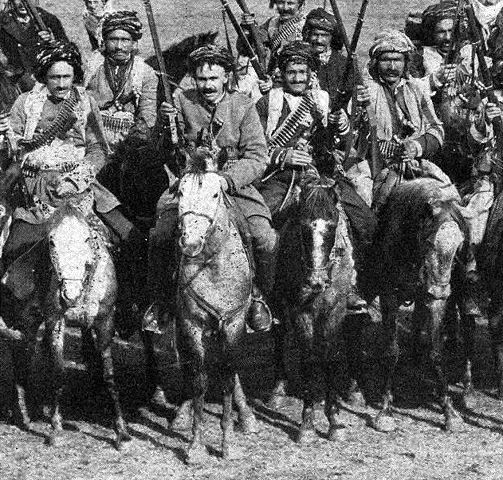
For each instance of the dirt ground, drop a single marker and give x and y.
(418, 449)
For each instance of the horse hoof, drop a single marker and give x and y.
(53, 440)
(337, 434)
(182, 421)
(305, 436)
(384, 423)
(356, 400)
(248, 425)
(232, 452)
(196, 455)
(276, 402)
(158, 399)
(120, 438)
(454, 424)
(468, 400)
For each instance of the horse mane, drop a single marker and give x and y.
(198, 163)
(318, 198)
(175, 56)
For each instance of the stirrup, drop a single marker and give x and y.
(151, 319)
(255, 319)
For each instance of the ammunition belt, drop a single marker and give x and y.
(117, 125)
(284, 32)
(289, 128)
(389, 149)
(31, 171)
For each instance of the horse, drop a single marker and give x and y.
(75, 284)
(312, 285)
(213, 298)
(420, 244)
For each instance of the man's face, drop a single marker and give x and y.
(59, 79)
(20, 8)
(319, 39)
(391, 67)
(442, 34)
(95, 7)
(287, 8)
(118, 45)
(211, 81)
(296, 78)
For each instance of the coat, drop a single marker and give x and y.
(240, 138)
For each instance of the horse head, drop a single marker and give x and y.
(317, 218)
(71, 251)
(200, 200)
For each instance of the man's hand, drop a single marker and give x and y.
(362, 94)
(410, 151)
(224, 184)
(45, 36)
(166, 111)
(446, 73)
(247, 19)
(298, 158)
(492, 111)
(340, 118)
(265, 85)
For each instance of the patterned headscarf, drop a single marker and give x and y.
(435, 13)
(58, 51)
(212, 55)
(391, 41)
(126, 20)
(298, 51)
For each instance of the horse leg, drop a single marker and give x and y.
(21, 363)
(435, 308)
(183, 419)
(57, 336)
(247, 421)
(104, 338)
(196, 452)
(91, 359)
(352, 340)
(227, 424)
(156, 396)
(278, 394)
(496, 329)
(336, 430)
(384, 421)
(468, 329)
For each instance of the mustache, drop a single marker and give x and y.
(209, 90)
(392, 72)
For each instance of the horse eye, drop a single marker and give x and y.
(215, 195)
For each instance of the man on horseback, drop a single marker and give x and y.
(20, 37)
(60, 148)
(408, 129)
(227, 123)
(123, 85)
(294, 118)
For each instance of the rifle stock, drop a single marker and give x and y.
(32, 10)
(166, 87)
(259, 45)
(242, 36)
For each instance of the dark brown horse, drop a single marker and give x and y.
(214, 295)
(419, 245)
(312, 285)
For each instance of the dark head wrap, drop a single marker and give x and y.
(435, 13)
(300, 52)
(123, 20)
(212, 55)
(320, 19)
(58, 51)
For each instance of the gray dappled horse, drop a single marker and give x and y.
(419, 245)
(75, 284)
(312, 287)
(213, 297)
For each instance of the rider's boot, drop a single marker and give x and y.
(472, 285)
(260, 316)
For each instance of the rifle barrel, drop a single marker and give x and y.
(32, 10)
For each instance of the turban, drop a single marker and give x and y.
(212, 55)
(301, 52)
(123, 20)
(320, 19)
(391, 41)
(58, 51)
(439, 11)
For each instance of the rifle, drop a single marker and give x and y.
(166, 91)
(478, 42)
(342, 97)
(242, 36)
(456, 32)
(255, 36)
(33, 12)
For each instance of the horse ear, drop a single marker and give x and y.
(433, 209)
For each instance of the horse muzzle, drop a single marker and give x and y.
(71, 290)
(192, 249)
